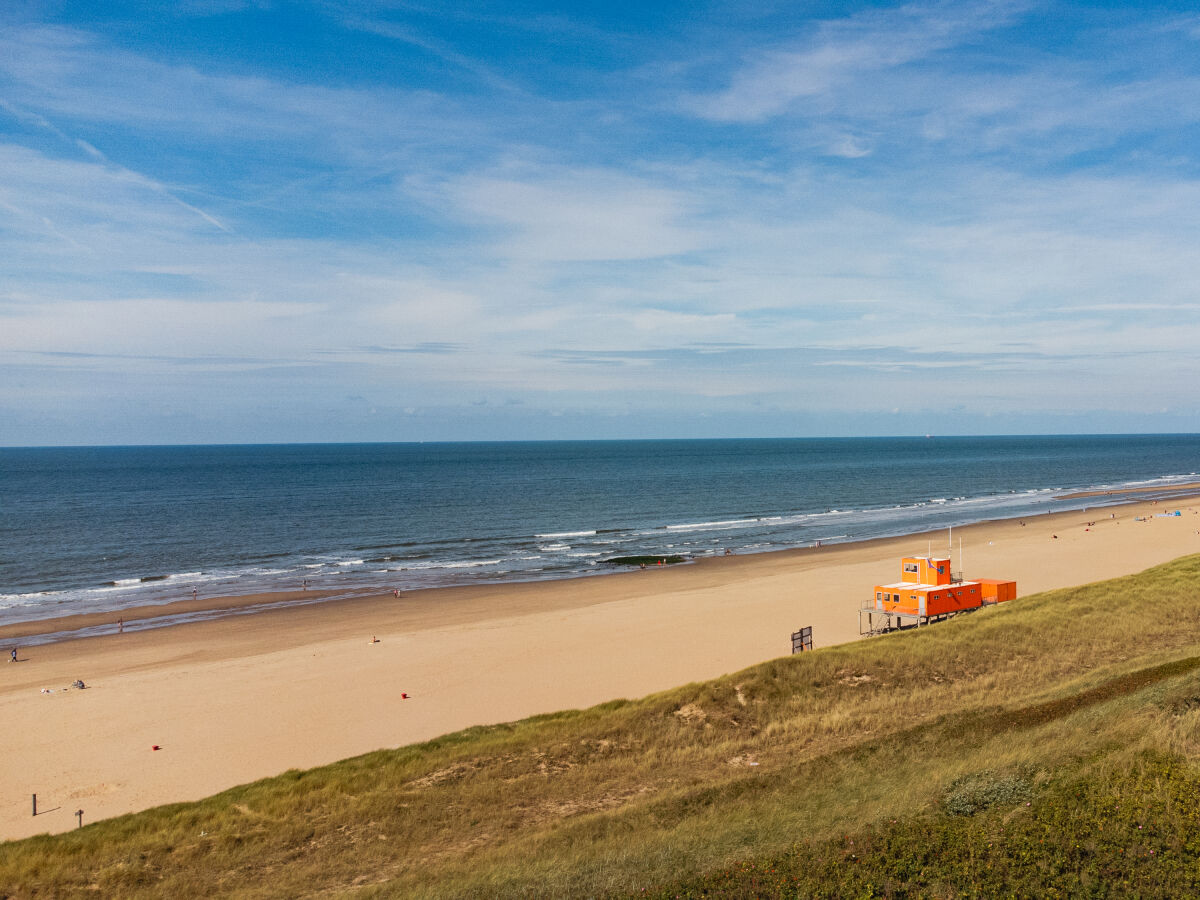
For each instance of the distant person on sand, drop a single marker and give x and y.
(120, 626)
(13, 656)
(195, 593)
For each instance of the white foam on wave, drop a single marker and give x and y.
(566, 534)
(1163, 480)
(350, 562)
(700, 526)
(773, 521)
(553, 547)
(8, 601)
(451, 564)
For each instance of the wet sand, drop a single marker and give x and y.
(229, 700)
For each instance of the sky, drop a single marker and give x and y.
(249, 222)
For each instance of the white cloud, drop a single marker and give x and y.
(71, 75)
(577, 215)
(846, 51)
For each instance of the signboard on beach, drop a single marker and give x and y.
(802, 639)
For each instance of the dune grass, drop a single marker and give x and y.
(916, 746)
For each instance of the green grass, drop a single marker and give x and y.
(1127, 832)
(965, 759)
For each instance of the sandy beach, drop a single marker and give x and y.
(234, 699)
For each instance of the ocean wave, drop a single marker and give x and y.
(565, 534)
(32, 598)
(702, 526)
(452, 564)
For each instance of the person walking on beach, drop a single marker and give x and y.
(120, 626)
(13, 656)
(195, 593)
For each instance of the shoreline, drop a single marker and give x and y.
(234, 698)
(86, 605)
(184, 611)
(1191, 489)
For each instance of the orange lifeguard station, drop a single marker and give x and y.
(928, 592)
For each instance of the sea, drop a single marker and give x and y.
(90, 529)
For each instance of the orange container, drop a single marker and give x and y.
(996, 591)
(927, 600)
(953, 597)
(925, 569)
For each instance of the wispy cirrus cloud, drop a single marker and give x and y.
(840, 54)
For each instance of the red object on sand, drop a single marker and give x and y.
(404, 696)
(156, 747)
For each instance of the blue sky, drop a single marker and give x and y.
(334, 221)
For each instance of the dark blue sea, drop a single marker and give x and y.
(89, 529)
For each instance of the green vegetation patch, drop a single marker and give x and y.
(982, 790)
(644, 560)
(1130, 831)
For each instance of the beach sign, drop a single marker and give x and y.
(802, 639)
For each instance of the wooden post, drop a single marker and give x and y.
(79, 816)
(35, 804)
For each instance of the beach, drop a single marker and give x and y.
(241, 697)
